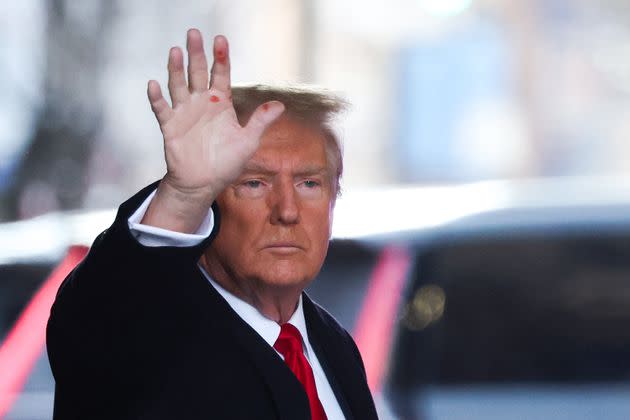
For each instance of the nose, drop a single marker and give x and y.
(285, 206)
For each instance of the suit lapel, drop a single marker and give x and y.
(342, 367)
(285, 389)
(332, 378)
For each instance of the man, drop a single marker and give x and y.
(191, 304)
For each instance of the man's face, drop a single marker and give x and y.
(276, 218)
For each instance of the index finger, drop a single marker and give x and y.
(220, 73)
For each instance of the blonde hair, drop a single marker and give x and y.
(303, 103)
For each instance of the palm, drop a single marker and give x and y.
(205, 146)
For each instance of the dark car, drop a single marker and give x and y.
(516, 309)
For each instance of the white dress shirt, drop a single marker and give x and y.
(268, 329)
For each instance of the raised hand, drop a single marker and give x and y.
(205, 147)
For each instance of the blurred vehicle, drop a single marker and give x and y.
(517, 309)
(491, 300)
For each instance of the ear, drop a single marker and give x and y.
(331, 214)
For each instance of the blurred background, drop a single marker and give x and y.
(442, 90)
(444, 93)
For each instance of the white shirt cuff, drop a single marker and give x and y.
(155, 236)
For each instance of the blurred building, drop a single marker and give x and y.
(442, 91)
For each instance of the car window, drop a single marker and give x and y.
(536, 308)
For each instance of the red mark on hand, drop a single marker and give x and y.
(219, 55)
(214, 99)
(265, 107)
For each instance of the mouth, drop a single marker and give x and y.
(283, 247)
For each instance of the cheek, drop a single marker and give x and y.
(240, 233)
(239, 215)
(320, 229)
(238, 228)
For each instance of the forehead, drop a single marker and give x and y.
(288, 141)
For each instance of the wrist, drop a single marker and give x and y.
(176, 209)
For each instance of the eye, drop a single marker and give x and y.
(252, 188)
(310, 183)
(253, 183)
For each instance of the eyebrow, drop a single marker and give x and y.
(261, 168)
(257, 168)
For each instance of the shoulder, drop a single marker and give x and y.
(324, 323)
(321, 314)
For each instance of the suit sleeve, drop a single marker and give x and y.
(110, 313)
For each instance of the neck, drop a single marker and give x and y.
(276, 303)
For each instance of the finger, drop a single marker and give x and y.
(176, 79)
(197, 63)
(220, 73)
(159, 106)
(264, 115)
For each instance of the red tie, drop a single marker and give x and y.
(289, 344)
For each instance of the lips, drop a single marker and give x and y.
(283, 247)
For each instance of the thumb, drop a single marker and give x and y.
(262, 117)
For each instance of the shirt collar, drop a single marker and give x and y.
(268, 329)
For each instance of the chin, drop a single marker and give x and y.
(293, 270)
(286, 275)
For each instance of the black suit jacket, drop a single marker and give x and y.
(139, 333)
